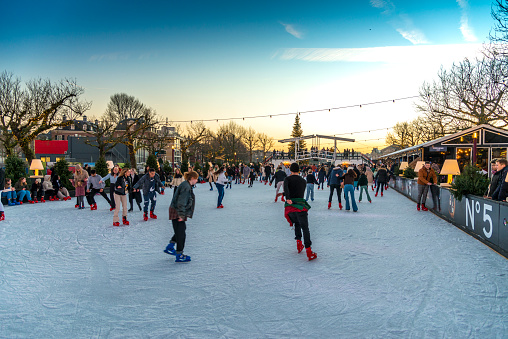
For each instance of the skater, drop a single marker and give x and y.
(221, 181)
(9, 192)
(150, 185)
(181, 208)
(231, 173)
(252, 177)
(2, 214)
(335, 183)
(246, 173)
(426, 177)
(93, 186)
(47, 186)
(370, 178)
(120, 196)
(80, 181)
(112, 176)
(363, 183)
(349, 189)
(279, 177)
(133, 193)
(296, 210)
(177, 179)
(321, 177)
(311, 181)
(61, 191)
(211, 177)
(381, 179)
(268, 173)
(22, 191)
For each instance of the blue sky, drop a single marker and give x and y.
(203, 59)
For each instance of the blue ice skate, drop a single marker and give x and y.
(170, 249)
(182, 258)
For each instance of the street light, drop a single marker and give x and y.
(173, 158)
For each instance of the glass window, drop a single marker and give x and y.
(498, 153)
(464, 139)
(45, 159)
(495, 138)
(482, 159)
(72, 127)
(463, 157)
(58, 159)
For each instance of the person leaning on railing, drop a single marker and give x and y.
(493, 181)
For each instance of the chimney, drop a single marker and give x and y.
(84, 118)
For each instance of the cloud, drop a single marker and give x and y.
(389, 54)
(415, 36)
(292, 30)
(467, 31)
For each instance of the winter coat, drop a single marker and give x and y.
(120, 185)
(493, 184)
(322, 175)
(80, 180)
(47, 185)
(183, 201)
(280, 175)
(501, 190)
(333, 179)
(177, 180)
(93, 182)
(382, 175)
(425, 176)
(144, 184)
(246, 171)
(311, 179)
(370, 176)
(362, 180)
(348, 178)
(221, 179)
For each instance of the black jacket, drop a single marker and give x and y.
(121, 185)
(493, 184)
(501, 191)
(280, 175)
(382, 175)
(184, 200)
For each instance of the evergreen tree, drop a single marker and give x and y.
(185, 167)
(297, 132)
(151, 162)
(15, 168)
(167, 167)
(62, 169)
(101, 167)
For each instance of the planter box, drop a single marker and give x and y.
(485, 219)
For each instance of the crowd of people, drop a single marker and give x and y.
(294, 185)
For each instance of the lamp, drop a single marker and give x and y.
(403, 166)
(36, 166)
(450, 168)
(419, 166)
(110, 164)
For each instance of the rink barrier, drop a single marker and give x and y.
(484, 219)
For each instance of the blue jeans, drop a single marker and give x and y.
(310, 191)
(220, 188)
(23, 194)
(349, 190)
(150, 197)
(10, 195)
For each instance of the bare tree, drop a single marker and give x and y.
(251, 141)
(132, 119)
(103, 137)
(231, 138)
(39, 107)
(404, 134)
(266, 143)
(473, 93)
(192, 135)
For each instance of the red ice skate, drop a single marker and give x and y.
(424, 208)
(116, 223)
(125, 221)
(329, 205)
(311, 255)
(299, 246)
(145, 216)
(340, 205)
(152, 216)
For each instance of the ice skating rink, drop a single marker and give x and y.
(387, 271)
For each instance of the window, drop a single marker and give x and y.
(58, 159)
(495, 138)
(45, 159)
(464, 139)
(73, 127)
(498, 153)
(84, 127)
(463, 157)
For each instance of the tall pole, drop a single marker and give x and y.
(474, 155)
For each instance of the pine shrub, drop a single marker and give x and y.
(471, 181)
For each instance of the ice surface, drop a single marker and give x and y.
(387, 271)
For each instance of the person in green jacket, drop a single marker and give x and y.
(363, 183)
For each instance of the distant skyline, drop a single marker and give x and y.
(192, 60)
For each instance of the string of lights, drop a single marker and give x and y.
(295, 113)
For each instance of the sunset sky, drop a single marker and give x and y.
(192, 60)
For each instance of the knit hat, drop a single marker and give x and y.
(294, 168)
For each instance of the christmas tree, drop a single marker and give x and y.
(297, 132)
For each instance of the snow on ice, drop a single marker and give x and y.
(387, 271)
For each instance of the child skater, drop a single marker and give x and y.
(311, 181)
(120, 188)
(181, 208)
(296, 209)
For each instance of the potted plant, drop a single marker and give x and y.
(471, 181)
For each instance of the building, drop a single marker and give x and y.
(483, 142)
